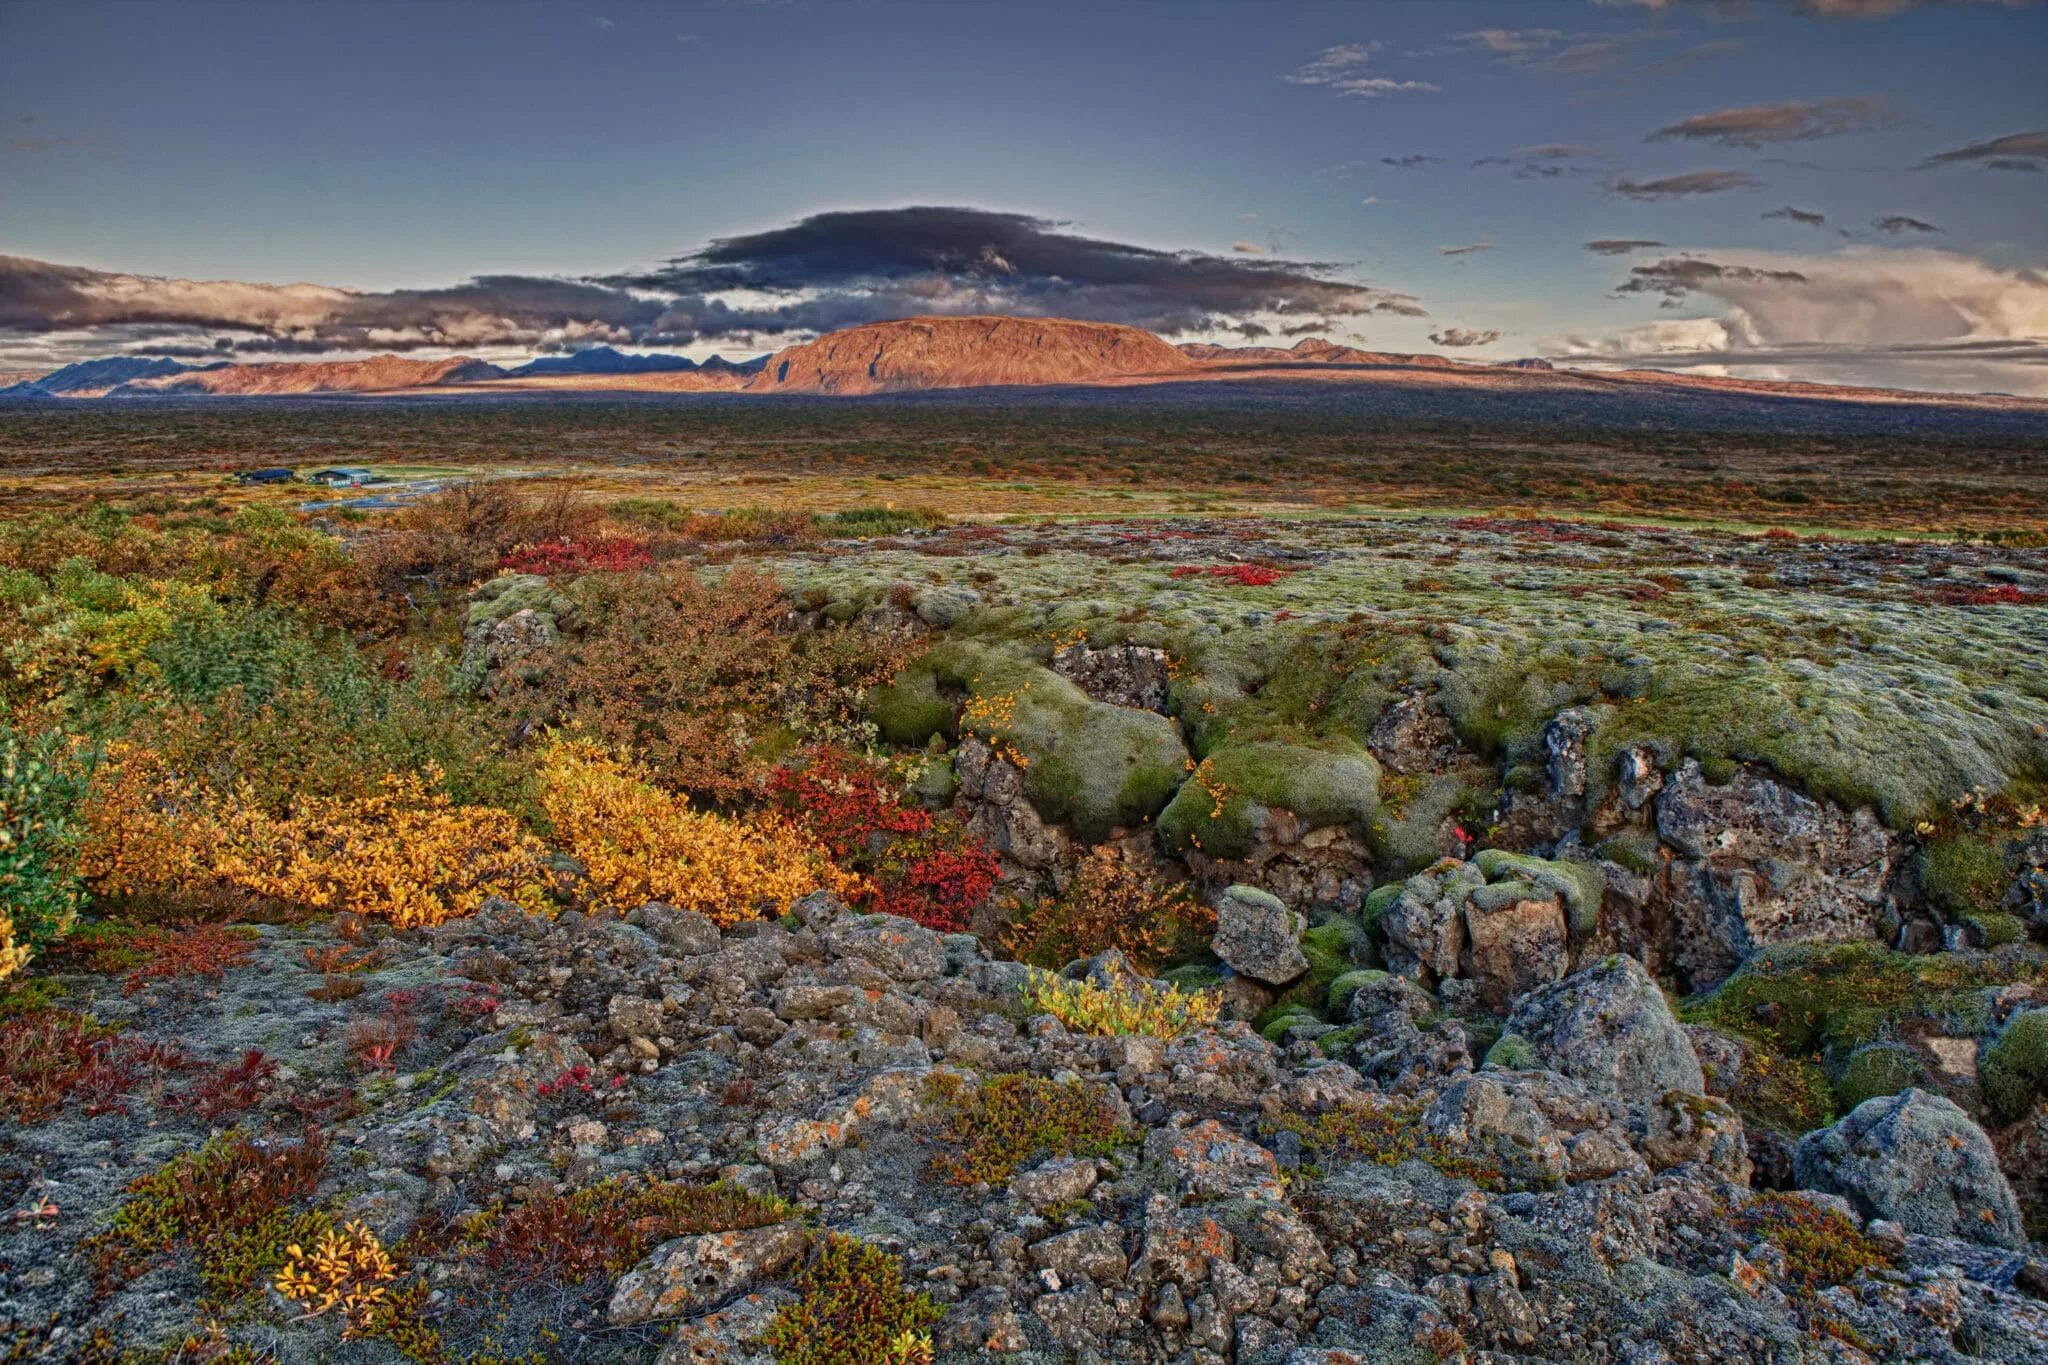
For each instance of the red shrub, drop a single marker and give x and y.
(920, 866)
(1999, 595)
(196, 950)
(49, 1057)
(580, 554)
(1241, 575)
(231, 1088)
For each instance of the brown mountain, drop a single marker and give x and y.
(970, 352)
(1307, 351)
(378, 374)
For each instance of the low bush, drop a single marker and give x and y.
(1823, 1247)
(1111, 903)
(1127, 1005)
(986, 1129)
(852, 1309)
(638, 843)
(40, 890)
(605, 1229)
(1385, 1132)
(52, 1057)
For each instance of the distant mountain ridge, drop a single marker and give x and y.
(602, 360)
(378, 374)
(936, 354)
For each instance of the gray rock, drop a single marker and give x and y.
(1259, 936)
(1916, 1159)
(1610, 1027)
(1059, 1181)
(690, 1274)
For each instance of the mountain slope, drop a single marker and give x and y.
(967, 352)
(97, 376)
(602, 360)
(378, 374)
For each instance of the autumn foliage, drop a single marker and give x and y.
(637, 842)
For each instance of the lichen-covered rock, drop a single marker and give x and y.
(1207, 1161)
(1504, 923)
(1760, 864)
(1611, 1027)
(1917, 1160)
(1258, 936)
(1684, 1129)
(1121, 675)
(690, 1274)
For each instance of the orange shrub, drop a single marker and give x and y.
(1111, 903)
(639, 843)
(404, 853)
(703, 680)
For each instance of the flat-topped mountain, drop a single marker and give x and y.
(967, 352)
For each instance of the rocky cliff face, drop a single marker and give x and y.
(972, 352)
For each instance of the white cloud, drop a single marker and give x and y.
(1911, 317)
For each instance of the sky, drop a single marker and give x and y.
(1845, 191)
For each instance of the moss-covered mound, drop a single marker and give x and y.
(1512, 877)
(1094, 765)
(1221, 808)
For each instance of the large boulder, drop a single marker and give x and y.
(1918, 1160)
(1610, 1027)
(1759, 863)
(1491, 929)
(1258, 936)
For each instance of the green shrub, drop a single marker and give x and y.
(40, 890)
(1880, 1069)
(2014, 1071)
(852, 1309)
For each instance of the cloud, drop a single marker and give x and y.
(1692, 182)
(1824, 9)
(1548, 161)
(2014, 152)
(1677, 277)
(1464, 336)
(1248, 248)
(1699, 52)
(1793, 121)
(1411, 161)
(1803, 217)
(1468, 249)
(1345, 69)
(1619, 246)
(1915, 317)
(1506, 42)
(824, 272)
(1898, 223)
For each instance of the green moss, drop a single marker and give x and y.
(2014, 1072)
(909, 711)
(1636, 851)
(1337, 1000)
(1834, 998)
(1994, 930)
(1964, 874)
(1194, 976)
(1580, 885)
(1880, 1069)
(1220, 808)
(1339, 1041)
(1376, 903)
(509, 594)
(1512, 1052)
(1273, 1021)
(1332, 948)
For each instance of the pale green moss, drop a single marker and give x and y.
(2014, 1071)
(1880, 1069)
(1336, 785)
(1580, 885)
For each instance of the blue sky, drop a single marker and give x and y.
(380, 147)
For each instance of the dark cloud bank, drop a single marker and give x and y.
(827, 271)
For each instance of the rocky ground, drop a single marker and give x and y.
(1584, 1199)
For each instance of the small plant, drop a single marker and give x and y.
(1111, 903)
(607, 1228)
(1240, 575)
(852, 1309)
(375, 1042)
(50, 1057)
(347, 1269)
(987, 1129)
(1385, 1132)
(203, 950)
(1822, 1247)
(228, 1203)
(230, 1089)
(1128, 1004)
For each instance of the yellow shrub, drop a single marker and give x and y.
(639, 843)
(404, 853)
(13, 955)
(348, 1268)
(1127, 1005)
